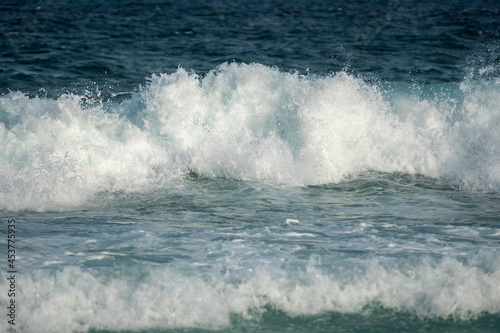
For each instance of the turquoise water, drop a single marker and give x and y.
(375, 253)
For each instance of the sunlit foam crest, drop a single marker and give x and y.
(271, 126)
(247, 122)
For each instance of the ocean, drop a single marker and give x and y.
(250, 166)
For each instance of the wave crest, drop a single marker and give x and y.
(247, 122)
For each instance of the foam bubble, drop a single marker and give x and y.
(292, 222)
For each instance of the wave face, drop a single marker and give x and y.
(246, 122)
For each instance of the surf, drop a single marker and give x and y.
(246, 122)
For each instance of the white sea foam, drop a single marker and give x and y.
(247, 122)
(292, 222)
(72, 299)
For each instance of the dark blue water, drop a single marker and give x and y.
(61, 45)
(244, 166)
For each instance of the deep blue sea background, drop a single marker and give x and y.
(251, 166)
(64, 45)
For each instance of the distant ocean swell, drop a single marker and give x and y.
(246, 122)
(73, 299)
